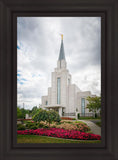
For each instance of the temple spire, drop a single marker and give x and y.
(61, 36)
(61, 54)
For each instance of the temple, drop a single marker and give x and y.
(63, 96)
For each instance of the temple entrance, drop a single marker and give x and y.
(56, 109)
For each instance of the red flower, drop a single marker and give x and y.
(61, 133)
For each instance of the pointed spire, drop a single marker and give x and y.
(61, 54)
(61, 36)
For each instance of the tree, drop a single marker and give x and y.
(34, 110)
(94, 104)
(19, 113)
(24, 112)
(48, 116)
(41, 115)
(53, 116)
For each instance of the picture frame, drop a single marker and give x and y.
(9, 149)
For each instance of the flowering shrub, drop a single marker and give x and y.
(82, 127)
(68, 126)
(43, 122)
(61, 133)
(20, 127)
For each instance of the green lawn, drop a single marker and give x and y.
(44, 139)
(79, 122)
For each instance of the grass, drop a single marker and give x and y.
(98, 124)
(72, 122)
(44, 139)
(79, 122)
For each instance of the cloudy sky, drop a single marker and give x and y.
(38, 45)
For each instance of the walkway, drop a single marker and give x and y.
(94, 128)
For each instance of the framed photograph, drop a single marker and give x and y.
(58, 80)
(67, 111)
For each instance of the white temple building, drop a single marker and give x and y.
(63, 96)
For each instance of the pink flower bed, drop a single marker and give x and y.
(60, 133)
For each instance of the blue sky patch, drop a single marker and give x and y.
(18, 47)
(21, 82)
(23, 79)
(18, 75)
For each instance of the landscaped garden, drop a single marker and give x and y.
(73, 130)
(48, 124)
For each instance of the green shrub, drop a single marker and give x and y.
(28, 122)
(58, 123)
(69, 122)
(95, 115)
(53, 116)
(48, 116)
(45, 126)
(78, 116)
(20, 127)
(41, 115)
(53, 126)
(31, 125)
(40, 125)
(34, 127)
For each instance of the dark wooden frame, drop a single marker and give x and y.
(9, 10)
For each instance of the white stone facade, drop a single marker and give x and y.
(63, 96)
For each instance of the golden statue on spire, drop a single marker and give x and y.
(61, 36)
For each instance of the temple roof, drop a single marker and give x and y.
(61, 54)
